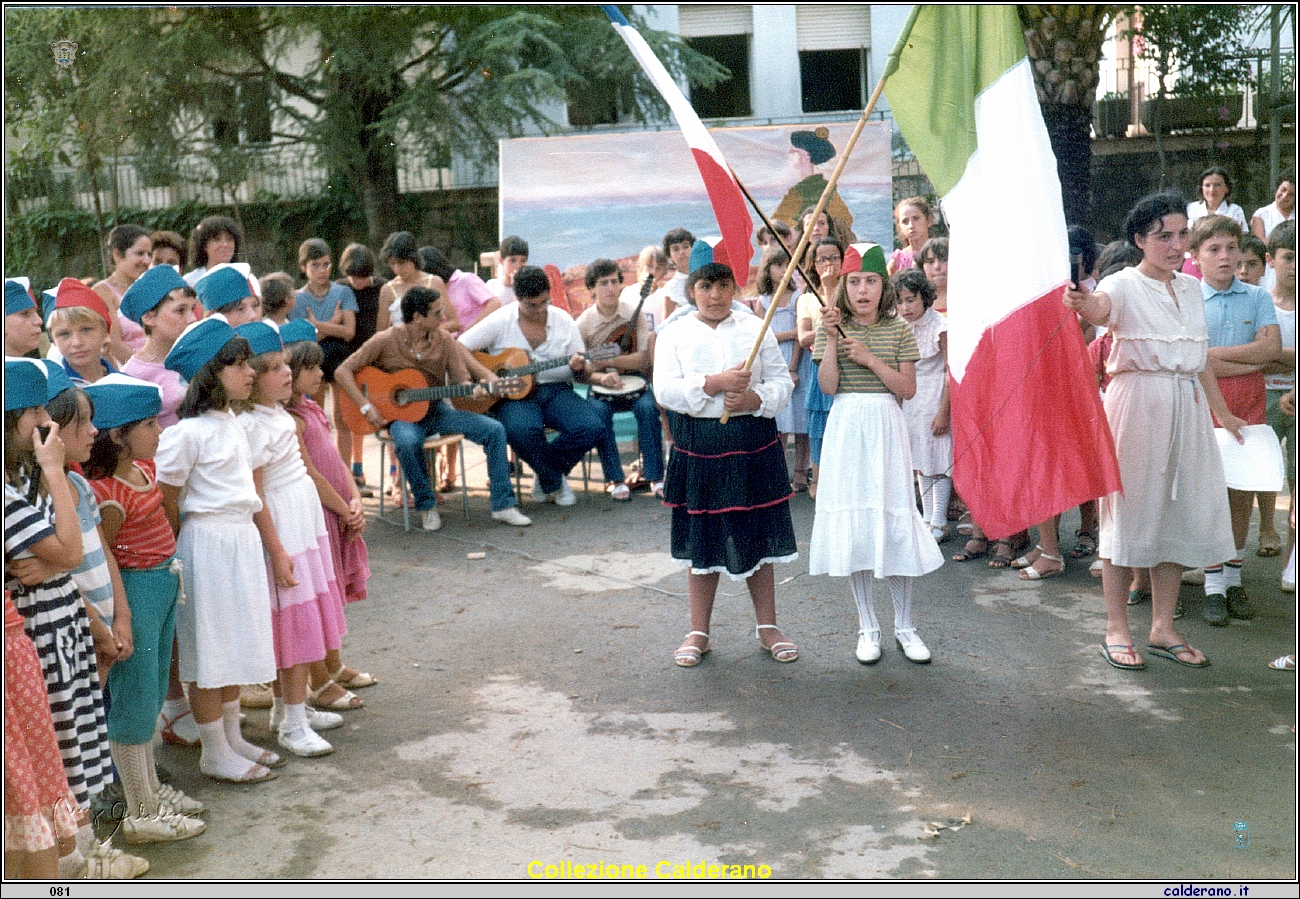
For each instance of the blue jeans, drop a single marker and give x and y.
(487, 432)
(581, 425)
(650, 436)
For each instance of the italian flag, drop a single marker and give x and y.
(1030, 438)
(734, 222)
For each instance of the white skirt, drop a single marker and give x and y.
(223, 627)
(866, 516)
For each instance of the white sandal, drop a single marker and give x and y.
(690, 656)
(782, 650)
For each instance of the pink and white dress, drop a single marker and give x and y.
(350, 556)
(306, 620)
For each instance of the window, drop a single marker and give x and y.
(723, 32)
(731, 97)
(241, 113)
(833, 46)
(831, 80)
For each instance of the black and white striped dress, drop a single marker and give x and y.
(56, 621)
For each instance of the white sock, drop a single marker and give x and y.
(900, 588)
(218, 759)
(1214, 581)
(942, 493)
(133, 766)
(925, 484)
(154, 783)
(860, 582)
(1232, 569)
(235, 737)
(295, 716)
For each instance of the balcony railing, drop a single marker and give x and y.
(1127, 88)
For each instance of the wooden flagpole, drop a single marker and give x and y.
(804, 238)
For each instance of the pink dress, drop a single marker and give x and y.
(351, 558)
(173, 391)
(306, 620)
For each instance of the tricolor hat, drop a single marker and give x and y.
(221, 286)
(149, 290)
(297, 330)
(47, 304)
(864, 257)
(198, 345)
(121, 399)
(709, 250)
(56, 379)
(71, 294)
(18, 295)
(24, 383)
(262, 337)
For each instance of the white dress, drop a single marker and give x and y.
(1174, 505)
(931, 455)
(223, 627)
(866, 517)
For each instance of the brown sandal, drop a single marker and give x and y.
(975, 548)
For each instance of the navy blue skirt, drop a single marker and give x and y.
(729, 490)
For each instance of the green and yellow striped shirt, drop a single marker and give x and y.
(890, 339)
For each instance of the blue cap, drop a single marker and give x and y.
(121, 399)
(706, 251)
(297, 331)
(221, 287)
(18, 296)
(56, 379)
(24, 383)
(148, 291)
(261, 336)
(198, 345)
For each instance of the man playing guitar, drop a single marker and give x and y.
(614, 319)
(421, 344)
(543, 332)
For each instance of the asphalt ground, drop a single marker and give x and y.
(529, 714)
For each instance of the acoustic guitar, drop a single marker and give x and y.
(514, 364)
(404, 395)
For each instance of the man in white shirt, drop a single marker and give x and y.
(544, 334)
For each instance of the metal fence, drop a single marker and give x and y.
(1136, 81)
(276, 172)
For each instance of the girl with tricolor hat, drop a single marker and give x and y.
(42, 544)
(866, 525)
(162, 304)
(306, 606)
(223, 629)
(79, 327)
(120, 469)
(22, 318)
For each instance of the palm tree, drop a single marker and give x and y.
(1064, 45)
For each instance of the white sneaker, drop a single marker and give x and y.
(430, 520)
(319, 719)
(911, 644)
(160, 828)
(539, 495)
(179, 801)
(304, 742)
(512, 515)
(868, 647)
(564, 496)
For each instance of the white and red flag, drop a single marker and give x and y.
(1030, 438)
(734, 222)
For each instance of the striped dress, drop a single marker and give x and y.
(56, 621)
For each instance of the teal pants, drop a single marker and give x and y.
(139, 685)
